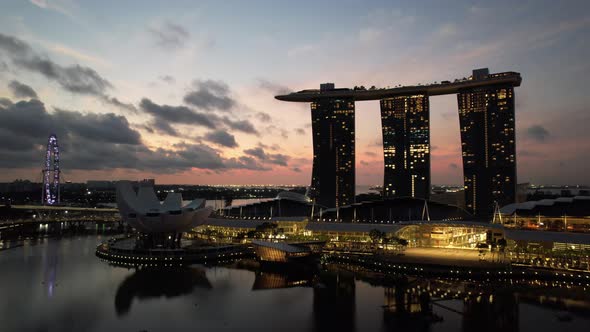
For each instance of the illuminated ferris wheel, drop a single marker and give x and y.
(50, 194)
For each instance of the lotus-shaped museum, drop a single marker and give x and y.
(143, 211)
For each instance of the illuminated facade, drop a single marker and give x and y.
(406, 146)
(486, 117)
(333, 174)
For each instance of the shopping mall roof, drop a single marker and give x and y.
(545, 236)
(574, 206)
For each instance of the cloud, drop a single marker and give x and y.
(296, 169)
(245, 162)
(376, 143)
(98, 142)
(116, 102)
(170, 35)
(278, 131)
(168, 79)
(453, 166)
(300, 131)
(537, 133)
(371, 154)
(301, 50)
(178, 114)
(20, 90)
(369, 34)
(274, 88)
(162, 127)
(263, 117)
(210, 95)
(222, 138)
(260, 154)
(244, 126)
(109, 128)
(364, 163)
(74, 78)
(5, 102)
(59, 6)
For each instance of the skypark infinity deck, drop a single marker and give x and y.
(506, 78)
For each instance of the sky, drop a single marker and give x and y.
(183, 91)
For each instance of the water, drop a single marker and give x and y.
(59, 285)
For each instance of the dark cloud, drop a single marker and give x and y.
(98, 142)
(5, 102)
(178, 114)
(170, 35)
(163, 127)
(20, 90)
(108, 127)
(364, 163)
(300, 131)
(370, 154)
(260, 154)
(296, 169)
(26, 125)
(116, 102)
(75, 78)
(241, 125)
(274, 88)
(168, 79)
(222, 138)
(257, 152)
(263, 117)
(274, 147)
(376, 143)
(537, 133)
(210, 95)
(453, 166)
(278, 131)
(245, 162)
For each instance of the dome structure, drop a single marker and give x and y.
(143, 211)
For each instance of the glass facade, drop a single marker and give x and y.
(333, 174)
(486, 117)
(406, 146)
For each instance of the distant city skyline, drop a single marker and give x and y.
(170, 91)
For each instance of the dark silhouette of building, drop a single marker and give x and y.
(333, 174)
(486, 117)
(406, 146)
(486, 111)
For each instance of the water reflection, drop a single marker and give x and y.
(59, 285)
(154, 283)
(50, 260)
(276, 280)
(334, 305)
(416, 304)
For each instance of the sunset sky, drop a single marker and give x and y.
(182, 91)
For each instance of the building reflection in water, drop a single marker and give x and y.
(274, 280)
(334, 307)
(495, 311)
(407, 306)
(152, 283)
